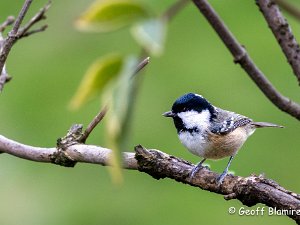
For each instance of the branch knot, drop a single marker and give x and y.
(60, 157)
(240, 57)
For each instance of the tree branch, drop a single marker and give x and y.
(12, 36)
(17, 33)
(78, 152)
(4, 77)
(249, 190)
(282, 32)
(241, 56)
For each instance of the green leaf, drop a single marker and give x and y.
(110, 15)
(99, 74)
(151, 35)
(121, 99)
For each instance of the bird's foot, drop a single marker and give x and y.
(220, 178)
(195, 170)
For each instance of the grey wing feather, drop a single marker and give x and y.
(227, 121)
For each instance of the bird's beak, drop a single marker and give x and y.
(169, 114)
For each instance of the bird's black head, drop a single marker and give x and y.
(189, 102)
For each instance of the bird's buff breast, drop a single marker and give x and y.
(216, 146)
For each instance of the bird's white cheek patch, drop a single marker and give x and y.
(192, 119)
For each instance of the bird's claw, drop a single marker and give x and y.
(220, 178)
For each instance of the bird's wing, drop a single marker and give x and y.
(226, 122)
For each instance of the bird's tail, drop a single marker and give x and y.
(265, 124)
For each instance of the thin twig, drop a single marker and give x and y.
(9, 21)
(20, 17)
(291, 9)
(283, 33)
(141, 65)
(241, 56)
(174, 9)
(28, 33)
(98, 118)
(24, 31)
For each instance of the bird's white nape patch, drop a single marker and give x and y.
(192, 119)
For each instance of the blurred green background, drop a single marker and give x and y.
(47, 69)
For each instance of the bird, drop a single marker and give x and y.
(211, 132)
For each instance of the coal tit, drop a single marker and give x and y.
(210, 132)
